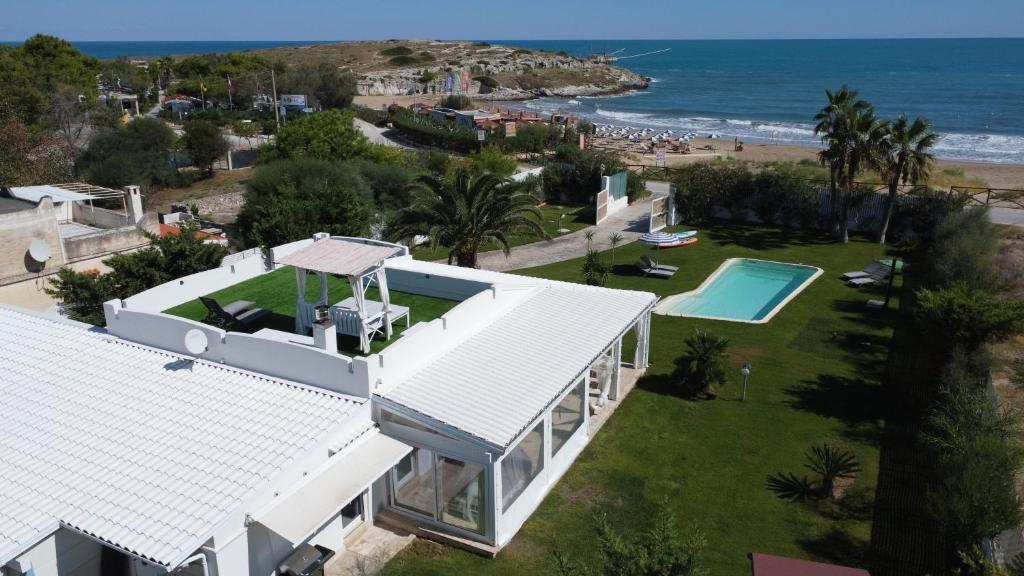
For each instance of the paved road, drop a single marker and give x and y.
(631, 223)
(375, 133)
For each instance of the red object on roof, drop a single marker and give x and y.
(166, 229)
(767, 565)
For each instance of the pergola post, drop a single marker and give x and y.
(385, 298)
(300, 302)
(616, 369)
(357, 292)
(643, 331)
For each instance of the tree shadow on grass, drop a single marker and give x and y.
(860, 405)
(765, 238)
(838, 547)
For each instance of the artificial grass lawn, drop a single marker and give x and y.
(816, 370)
(576, 218)
(276, 292)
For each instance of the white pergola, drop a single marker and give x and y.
(363, 264)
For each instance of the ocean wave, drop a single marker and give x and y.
(624, 116)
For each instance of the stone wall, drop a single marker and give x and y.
(17, 230)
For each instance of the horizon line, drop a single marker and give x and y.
(706, 39)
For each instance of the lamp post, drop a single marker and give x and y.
(746, 376)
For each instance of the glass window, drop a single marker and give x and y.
(567, 417)
(462, 493)
(522, 465)
(415, 490)
(392, 418)
(352, 511)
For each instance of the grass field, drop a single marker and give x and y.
(576, 218)
(816, 370)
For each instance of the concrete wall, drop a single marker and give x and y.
(17, 230)
(98, 217)
(433, 285)
(188, 288)
(107, 242)
(63, 553)
(297, 362)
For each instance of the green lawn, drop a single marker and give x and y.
(576, 218)
(276, 292)
(816, 370)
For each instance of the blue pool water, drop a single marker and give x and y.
(743, 290)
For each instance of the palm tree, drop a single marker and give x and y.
(830, 464)
(703, 363)
(905, 157)
(852, 135)
(464, 213)
(615, 239)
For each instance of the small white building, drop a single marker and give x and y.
(130, 451)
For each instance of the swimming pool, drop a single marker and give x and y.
(742, 290)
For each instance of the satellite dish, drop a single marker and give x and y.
(195, 341)
(39, 250)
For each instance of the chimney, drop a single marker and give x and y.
(133, 204)
(325, 337)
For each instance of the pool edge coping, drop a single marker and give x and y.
(718, 271)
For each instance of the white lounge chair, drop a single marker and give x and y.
(870, 279)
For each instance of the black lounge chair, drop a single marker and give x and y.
(240, 312)
(646, 261)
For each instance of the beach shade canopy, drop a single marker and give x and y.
(888, 263)
(659, 238)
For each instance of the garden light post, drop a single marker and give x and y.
(746, 376)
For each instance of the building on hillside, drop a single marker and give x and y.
(44, 228)
(162, 443)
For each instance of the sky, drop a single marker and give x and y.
(520, 19)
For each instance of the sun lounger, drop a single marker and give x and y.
(244, 316)
(648, 263)
(870, 279)
(872, 268)
(656, 272)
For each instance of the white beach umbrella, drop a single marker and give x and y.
(659, 238)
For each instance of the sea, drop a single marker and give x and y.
(972, 90)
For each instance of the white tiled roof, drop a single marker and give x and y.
(494, 383)
(137, 447)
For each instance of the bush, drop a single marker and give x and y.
(204, 143)
(595, 271)
(289, 200)
(575, 175)
(962, 250)
(324, 83)
(396, 51)
(492, 159)
(457, 102)
(327, 135)
(137, 153)
(403, 60)
(427, 132)
(487, 81)
(389, 183)
(961, 317)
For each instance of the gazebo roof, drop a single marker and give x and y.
(342, 257)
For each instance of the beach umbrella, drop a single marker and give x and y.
(659, 238)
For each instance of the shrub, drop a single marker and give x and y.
(457, 102)
(327, 135)
(403, 60)
(702, 366)
(137, 153)
(204, 143)
(492, 159)
(967, 318)
(396, 51)
(427, 132)
(487, 81)
(292, 199)
(595, 271)
(962, 249)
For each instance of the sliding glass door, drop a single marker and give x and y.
(445, 489)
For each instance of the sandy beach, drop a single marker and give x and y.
(1010, 176)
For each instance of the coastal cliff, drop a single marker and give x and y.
(401, 67)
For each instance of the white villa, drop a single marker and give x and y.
(162, 444)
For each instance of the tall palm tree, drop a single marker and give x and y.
(905, 158)
(852, 135)
(464, 213)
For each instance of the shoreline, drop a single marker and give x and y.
(993, 174)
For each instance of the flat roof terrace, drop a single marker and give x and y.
(275, 292)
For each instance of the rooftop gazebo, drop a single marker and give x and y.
(362, 262)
